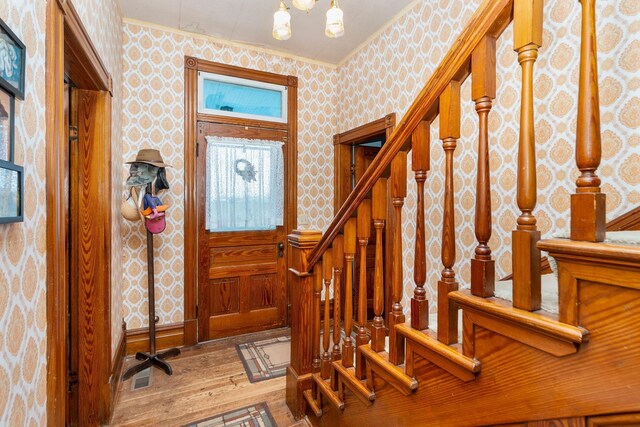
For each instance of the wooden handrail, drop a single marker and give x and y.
(491, 18)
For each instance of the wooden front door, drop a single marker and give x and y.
(241, 274)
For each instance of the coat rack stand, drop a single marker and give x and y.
(152, 358)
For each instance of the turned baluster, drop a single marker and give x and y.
(338, 262)
(449, 134)
(349, 255)
(317, 290)
(420, 156)
(527, 24)
(483, 90)
(588, 204)
(379, 214)
(398, 193)
(363, 232)
(327, 273)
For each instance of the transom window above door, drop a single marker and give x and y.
(236, 97)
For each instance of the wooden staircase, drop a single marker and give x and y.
(513, 362)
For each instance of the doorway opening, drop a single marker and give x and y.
(240, 167)
(354, 151)
(80, 366)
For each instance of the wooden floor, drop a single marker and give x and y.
(207, 380)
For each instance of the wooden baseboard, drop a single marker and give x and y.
(167, 336)
(117, 365)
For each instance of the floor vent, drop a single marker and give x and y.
(141, 380)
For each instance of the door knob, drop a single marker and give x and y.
(280, 250)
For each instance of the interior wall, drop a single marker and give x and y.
(154, 118)
(387, 74)
(103, 21)
(23, 272)
(23, 269)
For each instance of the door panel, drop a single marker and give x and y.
(241, 274)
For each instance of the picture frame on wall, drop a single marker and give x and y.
(12, 62)
(7, 126)
(11, 193)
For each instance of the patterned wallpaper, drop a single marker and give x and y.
(23, 245)
(103, 21)
(387, 74)
(153, 117)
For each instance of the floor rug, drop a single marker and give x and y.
(265, 359)
(249, 416)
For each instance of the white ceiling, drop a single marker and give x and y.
(251, 21)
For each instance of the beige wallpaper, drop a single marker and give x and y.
(388, 73)
(103, 21)
(22, 245)
(154, 118)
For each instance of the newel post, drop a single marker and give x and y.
(301, 289)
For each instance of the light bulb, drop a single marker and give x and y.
(335, 22)
(305, 5)
(281, 23)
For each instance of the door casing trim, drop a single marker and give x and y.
(191, 118)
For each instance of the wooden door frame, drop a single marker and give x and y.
(191, 117)
(342, 144)
(70, 53)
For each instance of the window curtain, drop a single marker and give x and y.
(244, 184)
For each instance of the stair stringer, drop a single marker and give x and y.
(519, 382)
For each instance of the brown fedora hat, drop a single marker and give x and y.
(151, 157)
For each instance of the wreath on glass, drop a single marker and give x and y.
(246, 170)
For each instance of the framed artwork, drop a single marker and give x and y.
(11, 191)
(12, 62)
(7, 108)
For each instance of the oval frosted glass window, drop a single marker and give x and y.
(236, 97)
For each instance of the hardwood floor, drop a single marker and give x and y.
(208, 379)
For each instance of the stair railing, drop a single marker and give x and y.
(379, 196)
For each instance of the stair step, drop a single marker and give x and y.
(348, 378)
(549, 288)
(325, 389)
(538, 329)
(308, 396)
(426, 344)
(392, 374)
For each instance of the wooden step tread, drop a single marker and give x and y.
(538, 329)
(544, 322)
(357, 387)
(332, 396)
(426, 344)
(392, 374)
(308, 396)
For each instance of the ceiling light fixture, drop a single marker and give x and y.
(335, 23)
(281, 23)
(282, 19)
(304, 5)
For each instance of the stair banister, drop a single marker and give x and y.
(398, 193)
(491, 18)
(338, 263)
(449, 134)
(379, 214)
(420, 157)
(363, 233)
(327, 276)
(483, 91)
(588, 203)
(527, 30)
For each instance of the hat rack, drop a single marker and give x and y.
(151, 359)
